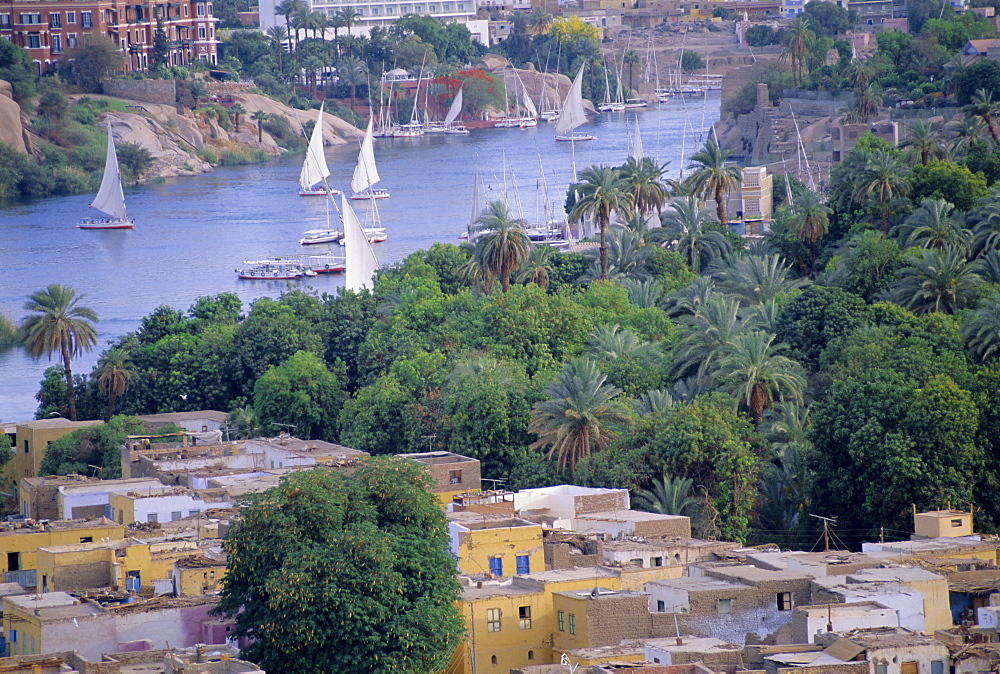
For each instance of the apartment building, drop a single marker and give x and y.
(48, 28)
(384, 12)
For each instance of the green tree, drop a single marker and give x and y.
(923, 142)
(668, 496)
(260, 117)
(380, 418)
(827, 19)
(952, 182)
(301, 393)
(684, 223)
(884, 175)
(135, 161)
(691, 61)
(85, 448)
(501, 246)
(600, 193)
(237, 111)
(59, 323)
(327, 569)
(810, 222)
(353, 72)
(160, 54)
(269, 336)
(757, 374)
(868, 266)
(933, 226)
(115, 372)
(981, 330)
(93, 60)
(580, 416)
(756, 279)
(644, 180)
(937, 280)
(984, 107)
(820, 314)
(797, 40)
(714, 175)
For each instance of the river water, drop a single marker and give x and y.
(191, 233)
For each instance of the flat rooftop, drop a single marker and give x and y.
(435, 458)
(127, 484)
(311, 448)
(506, 588)
(55, 480)
(889, 637)
(58, 422)
(174, 417)
(693, 645)
(698, 584)
(62, 525)
(664, 543)
(631, 516)
(752, 574)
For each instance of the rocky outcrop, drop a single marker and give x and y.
(11, 129)
(170, 158)
(335, 130)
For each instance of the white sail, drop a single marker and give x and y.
(110, 198)
(314, 168)
(365, 174)
(572, 114)
(528, 103)
(637, 152)
(455, 109)
(360, 263)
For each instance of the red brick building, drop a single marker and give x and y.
(49, 28)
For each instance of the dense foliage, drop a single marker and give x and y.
(328, 570)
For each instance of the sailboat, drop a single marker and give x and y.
(360, 261)
(549, 112)
(453, 112)
(522, 102)
(110, 198)
(362, 184)
(637, 151)
(608, 105)
(314, 168)
(573, 114)
(365, 173)
(415, 128)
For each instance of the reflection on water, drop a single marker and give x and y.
(191, 233)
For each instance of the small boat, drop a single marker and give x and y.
(110, 197)
(457, 130)
(611, 107)
(411, 130)
(450, 125)
(312, 178)
(375, 234)
(550, 115)
(633, 103)
(573, 114)
(325, 264)
(522, 121)
(316, 236)
(370, 194)
(272, 270)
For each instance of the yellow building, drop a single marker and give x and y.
(942, 524)
(453, 474)
(501, 547)
(198, 575)
(56, 621)
(20, 545)
(31, 438)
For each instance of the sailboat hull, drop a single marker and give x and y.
(517, 123)
(575, 138)
(105, 223)
(611, 107)
(373, 194)
(317, 192)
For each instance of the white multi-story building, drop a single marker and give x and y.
(384, 12)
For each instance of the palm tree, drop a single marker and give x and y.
(797, 41)
(601, 193)
(260, 117)
(115, 371)
(983, 106)
(713, 328)
(988, 267)
(539, 20)
(59, 323)
(757, 374)
(631, 59)
(687, 301)
(684, 229)
(861, 73)
(756, 279)
(982, 330)
(652, 402)
(348, 16)
(626, 256)
(669, 496)
(783, 239)
(612, 342)
(885, 176)
(278, 35)
(580, 416)
(866, 104)
(967, 131)
(644, 180)
(810, 222)
(538, 267)
(933, 226)
(352, 71)
(502, 246)
(288, 9)
(939, 280)
(714, 175)
(243, 423)
(237, 111)
(643, 294)
(923, 141)
(984, 220)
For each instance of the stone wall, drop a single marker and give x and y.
(147, 91)
(72, 577)
(566, 555)
(597, 503)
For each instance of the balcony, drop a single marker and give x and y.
(26, 579)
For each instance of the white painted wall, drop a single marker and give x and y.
(674, 600)
(92, 637)
(165, 506)
(70, 497)
(816, 622)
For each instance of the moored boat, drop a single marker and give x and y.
(317, 236)
(110, 197)
(272, 270)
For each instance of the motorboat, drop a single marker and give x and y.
(370, 194)
(272, 269)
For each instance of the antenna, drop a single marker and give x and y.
(827, 521)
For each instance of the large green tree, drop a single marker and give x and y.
(58, 323)
(601, 193)
(301, 395)
(328, 570)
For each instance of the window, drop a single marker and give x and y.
(784, 601)
(524, 617)
(201, 32)
(937, 667)
(13, 561)
(56, 44)
(4, 20)
(523, 565)
(724, 606)
(176, 515)
(660, 606)
(493, 660)
(201, 9)
(86, 20)
(562, 621)
(70, 17)
(637, 561)
(193, 512)
(956, 523)
(531, 655)
(31, 18)
(86, 539)
(454, 477)
(152, 517)
(71, 40)
(55, 20)
(492, 620)
(656, 561)
(26, 447)
(496, 566)
(13, 636)
(572, 623)
(881, 669)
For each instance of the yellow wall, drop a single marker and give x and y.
(937, 524)
(122, 508)
(937, 608)
(26, 463)
(511, 645)
(635, 577)
(564, 640)
(476, 547)
(28, 627)
(200, 581)
(27, 541)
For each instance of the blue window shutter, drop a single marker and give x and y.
(496, 566)
(523, 565)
